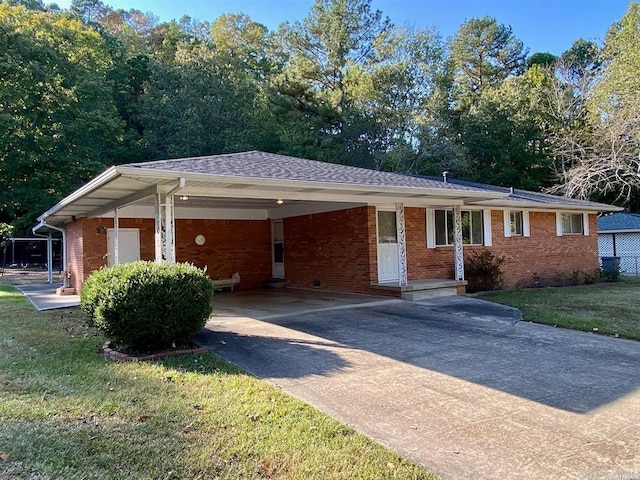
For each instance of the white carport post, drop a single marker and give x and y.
(457, 243)
(116, 237)
(165, 234)
(159, 227)
(402, 245)
(169, 231)
(49, 258)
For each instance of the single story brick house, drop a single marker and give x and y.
(317, 224)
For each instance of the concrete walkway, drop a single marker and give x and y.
(43, 297)
(456, 384)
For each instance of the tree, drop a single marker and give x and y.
(484, 53)
(328, 56)
(58, 121)
(544, 59)
(503, 138)
(607, 160)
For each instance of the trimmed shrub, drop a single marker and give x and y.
(483, 271)
(147, 306)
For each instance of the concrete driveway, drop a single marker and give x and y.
(456, 384)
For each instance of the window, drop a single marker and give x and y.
(472, 227)
(572, 223)
(515, 220)
(516, 223)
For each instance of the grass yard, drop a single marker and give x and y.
(67, 413)
(611, 308)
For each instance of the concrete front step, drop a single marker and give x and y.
(415, 295)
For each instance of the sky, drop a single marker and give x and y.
(543, 25)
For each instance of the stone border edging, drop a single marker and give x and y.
(115, 356)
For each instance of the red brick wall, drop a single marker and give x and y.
(423, 263)
(231, 246)
(543, 254)
(242, 246)
(337, 248)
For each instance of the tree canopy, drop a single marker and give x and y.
(93, 86)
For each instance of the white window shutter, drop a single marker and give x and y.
(526, 228)
(487, 227)
(558, 224)
(585, 223)
(431, 228)
(507, 222)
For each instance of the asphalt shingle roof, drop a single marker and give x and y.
(271, 166)
(619, 221)
(517, 195)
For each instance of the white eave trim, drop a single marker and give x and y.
(105, 177)
(137, 172)
(591, 207)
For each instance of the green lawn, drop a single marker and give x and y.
(611, 308)
(67, 413)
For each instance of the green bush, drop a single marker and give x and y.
(483, 271)
(147, 306)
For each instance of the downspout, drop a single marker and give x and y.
(63, 258)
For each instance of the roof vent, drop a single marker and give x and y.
(444, 176)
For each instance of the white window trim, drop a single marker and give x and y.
(431, 228)
(585, 224)
(486, 226)
(526, 226)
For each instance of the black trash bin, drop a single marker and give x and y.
(611, 265)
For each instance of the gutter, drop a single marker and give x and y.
(63, 260)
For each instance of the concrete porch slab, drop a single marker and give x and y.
(44, 297)
(414, 285)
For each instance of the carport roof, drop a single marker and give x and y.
(258, 176)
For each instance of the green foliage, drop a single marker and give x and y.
(143, 305)
(483, 271)
(57, 118)
(484, 53)
(93, 86)
(544, 59)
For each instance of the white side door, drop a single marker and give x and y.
(128, 245)
(387, 247)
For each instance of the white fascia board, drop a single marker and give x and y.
(347, 187)
(544, 207)
(102, 179)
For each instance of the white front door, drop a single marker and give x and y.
(387, 247)
(128, 245)
(277, 251)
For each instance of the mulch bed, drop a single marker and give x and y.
(110, 352)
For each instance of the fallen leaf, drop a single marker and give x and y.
(4, 456)
(189, 429)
